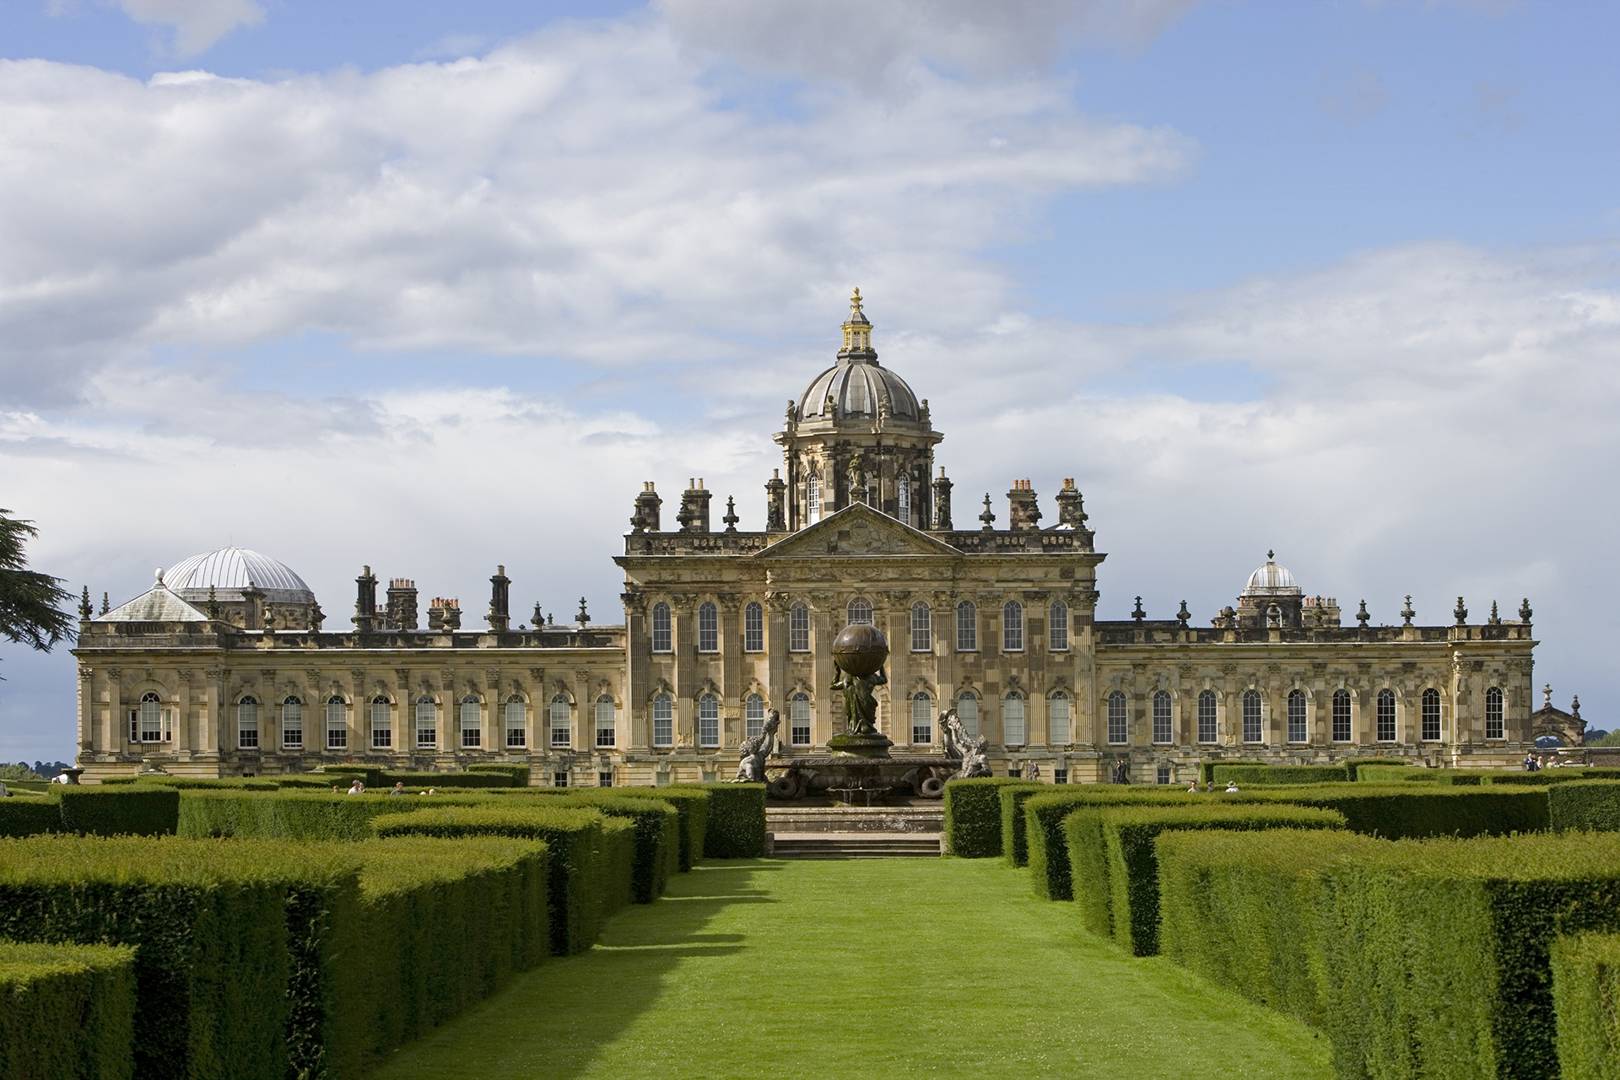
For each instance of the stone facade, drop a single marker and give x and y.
(722, 625)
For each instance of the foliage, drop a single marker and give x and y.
(1279, 774)
(1593, 804)
(30, 611)
(973, 816)
(294, 815)
(1356, 764)
(1586, 998)
(656, 837)
(614, 881)
(1419, 810)
(1010, 799)
(67, 1012)
(1399, 773)
(1546, 777)
(692, 803)
(438, 780)
(103, 811)
(1206, 768)
(19, 771)
(1048, 859)
(25, 817)
(1607, 738)
(518, 774)
(735, 828)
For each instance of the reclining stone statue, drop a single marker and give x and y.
(966, 750)
(755, 749)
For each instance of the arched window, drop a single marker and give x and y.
(1297, 730)
(708, 628)
(799, 627)
(606, 727)
(922, 719)
(247, 724)
(663, 640)
(1058, 716)
(967, 627)
(1341, 715)
(1012, 720)
(753, 716)
(514, 718)
(292, 723)
(1208, 723)
(753, 628)
(1119, 724)
(708, 720)
(663, 720)
(382, 724)
(799, 719)
(1163, 728)
(1254, 717)
(812, 499)
(1386, 716)
(1495, 728)
(337, 728)
(1431, 715)
(922, 628)
(860, 611)
(902, 497)
(1012, 626)
(967, 711)
(148, 726)
(427, 723)
(471, 722)
(561, 737)
(1057, 625)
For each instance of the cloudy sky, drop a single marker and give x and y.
(436, 286)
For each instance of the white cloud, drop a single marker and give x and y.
(195, 26)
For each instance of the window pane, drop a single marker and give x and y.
(799, 628)
(1431, 715)
(1162, 713)
(967, 711)
(247, 724)
(1119, 728)
(561, 737)
(1341, 716)
(427, 724)
(292, 724)
(1253, 717)
(708, 720)
(1495, 728)
(662, 641)
(513, 719)
(606, 730)
(812, 500)
(708, 628)
(753, 716)
(337, 731)
(922, 628)
(754, 628)
(922, 719)
(382, 725)
(1012, 626)
(1296, 717)
(1386, 716)
(1012, 721)
(663, 720)
(472, 729)
(860, 611)
(903, 498)
(967, 627)
(1057, 711)
(1207, 727)
(799, 720)
(1058, 625)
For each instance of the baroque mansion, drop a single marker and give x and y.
(223, 668)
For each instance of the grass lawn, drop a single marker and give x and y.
(859, 968)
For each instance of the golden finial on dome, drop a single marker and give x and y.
(855, 301)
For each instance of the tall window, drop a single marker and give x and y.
(512, 719)
(753, 716)
(967, 627)
(382, 724)
(967, 711)
(1208, 725)
(1297, 731)
(1494, 727)
(1012, 626)
(708, 720)
(812, 499)
(799, 627)
(662, 638)
(663, 717)
(472, 725)
(860, 611)
(427, 723)
(922, 719)
(902, 496)
(922, 628)
(1163, 730)
(1254, 720)
(292, 724)
(1012, 721)
(799, 719)
(606, 729)
(708, 628)
(1341, 715)
(247, 724)
(337, 731)
(1057, 625)
(1058, 714)
(1431, 715)
(1119, 727)
(1386, 716)
(557, 723)
(149, 719)
(753, 628)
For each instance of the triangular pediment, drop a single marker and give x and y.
(858, 531)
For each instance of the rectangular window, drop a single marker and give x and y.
(753, 716)
(472, 728)
(1119, 725)
(247, 726)
(967, 711)
(1495, 728)
(1060, 776)
(1297, 731)
(1431, 716)
(1207, 729)
(922, 719)
(1163, 773)
(754, 628)
(1057, 713)
(561, 737)
(1341, 716)
(1386, 716)
(1254, 728)
(663, 636)
(427, 725)
(1012, 627)
(604, 779)
(513, 716)
(663, 721)
(559, 779)
(798, 628)
(1012, 722)
(1058, 627)
(922, 629)
(337, 732)
(606, 730)
(799, 715)
(708, 629)
(382, 726)
(708, 722)
(292, 726)
(1162, 714)
(967, 628)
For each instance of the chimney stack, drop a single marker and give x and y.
(402, 604)
(365, 601)
(942, 502)
(1071, 506)
(500, 590)
(1023, 512)
(694, 515)
(444, 614)
(776, 503)
(646, 514)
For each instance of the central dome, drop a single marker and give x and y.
(230, 570)
(858, 386)
(1271, 580)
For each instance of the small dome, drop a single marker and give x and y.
(859, 387)
(1271, 580)
(230, 570)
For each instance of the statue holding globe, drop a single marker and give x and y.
(859, 651)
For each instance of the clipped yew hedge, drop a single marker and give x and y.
(1400, 773)
(1405, 811)
(973, 816)
(1010, 802)
(21, 816)
(1590, 805)
(119, 811)
(1586, 997)
(1280, 774)
(614, 880)
(67, 1012)
(692, 803)
(295, 815)
(735, 828)
(518, 774)
(1547, 777)
(655, 839)
(1354, 765)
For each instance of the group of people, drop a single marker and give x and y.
(359, 788)
(1537, 762)
(1193, 788)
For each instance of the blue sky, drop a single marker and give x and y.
(1337, 278)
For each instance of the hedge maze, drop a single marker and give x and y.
(1429, 923)
(276, 929)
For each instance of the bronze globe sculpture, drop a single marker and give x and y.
(859, 651)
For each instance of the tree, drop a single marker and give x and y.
(29, 600)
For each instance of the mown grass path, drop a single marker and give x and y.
(869, 968)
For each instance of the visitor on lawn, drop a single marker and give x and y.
(357, 788)
(398, 788)
(1192, 787)
(1231, 787)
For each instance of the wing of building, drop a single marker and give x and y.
(223, 667)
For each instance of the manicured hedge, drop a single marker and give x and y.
(441, 780)
(25, 817)
(295, 815)
(188, 783)
(1129, 832)
(1354, 765)
(517, 774)
(973, 816)
(67, 1012)
(1206, 769)
(1586, 996)
(614, 880)
(1546, 777)
(736, 824)
(692, 803)
(1244, 910)
(572, 834)
(237, 943)
(656, 838)
(1010, 800)
(1418, 810)
(135, 811)
(1047, 849)
(1592, 804)
(1280, 774)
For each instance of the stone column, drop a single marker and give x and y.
(118, 723)
(731, 668)
(822, 632)
(183, 714)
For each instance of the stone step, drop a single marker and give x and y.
(854, 820)
(855, 845)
